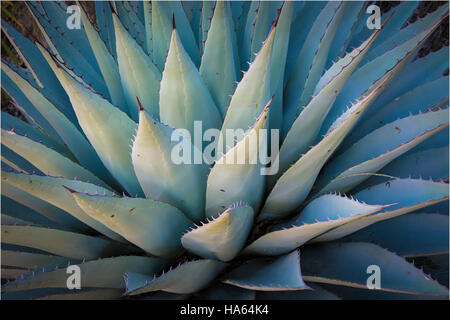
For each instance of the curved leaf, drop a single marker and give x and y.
(186, 278)
(223, 237)
(251, 95)
(184, 98)
(106, 62)
(409, 194)
(280, 274)
(294, 185)
(219, 60)
(29, 260)
(179, 184)
(154, 226)
(305, 128)
(410, 235)
(108, 129)
(238, 174)
(312, 58)
(53, 190)
(47, 160)
(140, 77)
(103, 273)
(320, 215)
(380, 147)
(55, 241)
(346, 264)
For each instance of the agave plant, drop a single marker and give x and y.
(89, 180)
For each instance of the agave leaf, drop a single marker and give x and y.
(21, 102)
(29, 260)
(240, 24)
(256, 28)
(131, 22)
(251, 95)
(322, 214)
(147, 11)
(409, 194)
(106, 62)
(184, 98)
(304, 18)
(346, 264)
(219, 64)
(162, 14)
(432, 94)
(103, 273)
(160, 33)
(388, 41)
(186, 278)
(105, 25)
(11, 273)
(290, 190)
(35, 63)
(394, 22)
(55, 16)
(311, 59)
(194, 10)
(12, 209)
(430, 163)
(181, 185)
(413, 75)
(55, 242)
(280, 274)
(278, 62)
(305, 128)
(154, 226)
(353, 15)
(223, 237)
(10, 221)
(237, 175)
(374, 151)
(52, 190)
(108, 129)
(140, 77)
(400, 234)
(206, 18)
(45, 159)
(70, 54)
(10, 122)
(96, 294)
(16, 162)
(369, 75)
(65, 129)
(316, 293)
(184, 30)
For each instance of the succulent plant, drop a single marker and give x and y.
(90, 180)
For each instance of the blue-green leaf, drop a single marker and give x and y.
(219, 60)
(238, 175)
(186, 278)
(183, 184)
(223, 237)
(108, 129)
(184, 97)
(103, 273)
(264, 274)
(410, 235)
(154, 226)
(321, 215)
(346, 264)
(378, 148)
(140, 77)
